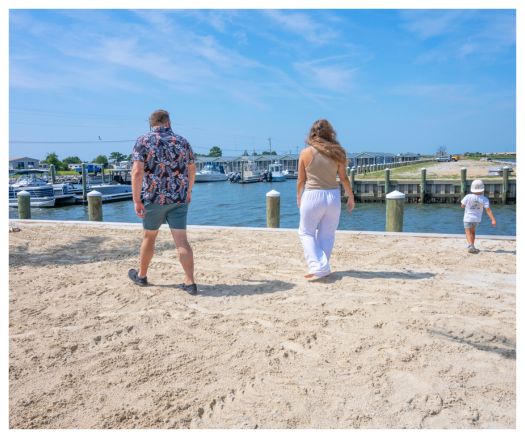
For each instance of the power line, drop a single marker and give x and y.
(70, 142)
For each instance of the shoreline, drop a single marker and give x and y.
(133, 225)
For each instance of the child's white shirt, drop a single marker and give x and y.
(474, 205)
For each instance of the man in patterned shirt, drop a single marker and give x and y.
(163, 165)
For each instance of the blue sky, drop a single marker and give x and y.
(388, 80)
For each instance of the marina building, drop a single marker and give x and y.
(290, 162)
(367, 158)
(23, 163)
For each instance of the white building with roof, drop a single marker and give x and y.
(23, 163)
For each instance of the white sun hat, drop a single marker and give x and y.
(477, 186)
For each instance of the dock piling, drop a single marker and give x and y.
(422, 188)
(387, 180)
(95, 205)
(464, 189)
(24, 205)
(352, 178)
(273, 209)
(53, 173)
(84, 182)
(505, 185)
(395, 202)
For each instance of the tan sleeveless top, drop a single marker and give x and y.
(321, 173)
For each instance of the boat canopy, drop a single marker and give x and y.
(29, 171)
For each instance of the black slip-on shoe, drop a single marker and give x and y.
(134, 276)
(190, 288)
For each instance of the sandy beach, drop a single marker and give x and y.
(408, 332)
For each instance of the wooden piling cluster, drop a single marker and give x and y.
(395, 193)
(424, 190)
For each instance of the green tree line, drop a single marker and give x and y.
(114, 157)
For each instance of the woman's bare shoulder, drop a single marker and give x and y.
(307, 152)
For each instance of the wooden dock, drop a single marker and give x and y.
(435, 190)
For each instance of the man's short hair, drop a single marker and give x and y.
(159, 117)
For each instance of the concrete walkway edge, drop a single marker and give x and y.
(138, 225)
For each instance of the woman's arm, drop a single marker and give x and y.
(301, 177)
(343, 177)
(304, 161)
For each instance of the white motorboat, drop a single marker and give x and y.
(31, 180)
(109, 192)
(276, 173)
(250, 173)
(211, 172)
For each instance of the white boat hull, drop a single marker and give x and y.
(250, 179)
(208, 177)
(111, 192)
(41, 194)
(35, 202)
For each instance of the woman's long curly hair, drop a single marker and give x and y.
(322, 137)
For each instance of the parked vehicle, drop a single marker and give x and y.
(90, 168)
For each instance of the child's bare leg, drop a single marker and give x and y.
(469, 233)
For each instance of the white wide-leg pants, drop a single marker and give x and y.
(320, 211)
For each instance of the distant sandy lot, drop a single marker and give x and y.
(475, 169)
(408, 332)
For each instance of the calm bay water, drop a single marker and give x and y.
(244, 205)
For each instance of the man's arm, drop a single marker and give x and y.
(137, 174)
(192, 169)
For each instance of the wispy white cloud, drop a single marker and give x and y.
(331, 73)
(431, 23)
(128, 55)
(441, 92)
(303, 26)
(461, 34)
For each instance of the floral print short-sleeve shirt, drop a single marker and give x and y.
(166, 157)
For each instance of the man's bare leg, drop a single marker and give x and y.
(185, 254)
(146, 251)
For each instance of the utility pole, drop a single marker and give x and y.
(270, 142)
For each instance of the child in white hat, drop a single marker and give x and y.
(473, 204)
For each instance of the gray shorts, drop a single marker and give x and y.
(470, 224)
(156, 215)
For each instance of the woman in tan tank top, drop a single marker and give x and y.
(319, 196)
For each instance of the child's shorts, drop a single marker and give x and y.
(470, 224)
